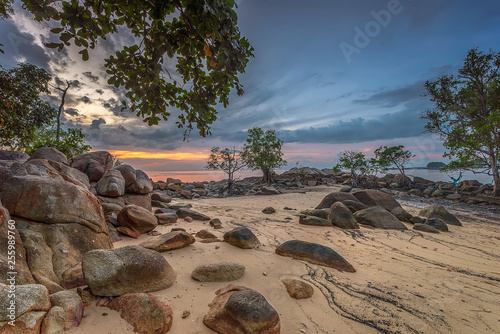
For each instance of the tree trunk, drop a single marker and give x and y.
(496, 185)
(494, 171)
(64, 91)
(267, 176)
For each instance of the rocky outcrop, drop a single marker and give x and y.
(314, 253)
(49, 153)
(94, 164)
(129, 269)
(240, 310)
(145, 312)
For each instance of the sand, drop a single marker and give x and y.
(406, 281)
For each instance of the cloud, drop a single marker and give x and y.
(85, 99)
(392, 97)
(99, 91)
(71, 111)
(96, 123)
(89, 75)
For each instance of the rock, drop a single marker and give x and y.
(269, 190)
(204, 234)
(269, 210)
(32, 303)
(388, 191)
(331, 198)
(316, 213)
(377, 198)
(314, 221)
(94, 164)
(341, 216)
(49, 153)
(174, 181)
(402, 214)
(216, 223)
(379, 217)
(174, 187)
(136, 181)
(298, 289)
(126, 270)
(354, 206)
(111, 208)
(241, 237)
(166, 218)
(185, 193)
(425, 228)
(415, 192)
(85, 294)
(23, 271)
(345, 189)
(112, 184)
(161, 197)
(54, 321)
(129, 232)
(218, 272)
(72, 305)
(417, 220)
(239, 310)
(143, 201)
(314, 253)
(60, 171)
(177, 206)
(137, 218)
(189, 219)
(168, 241)
(453, 197)
(438, 193)
(437, 223)
(183, 213)
(17, 156)
(145, 312)
(438, 211)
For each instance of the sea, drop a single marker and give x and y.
(209, 175)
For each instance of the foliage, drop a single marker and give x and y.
(5, 12)
(21, 109)
(71, 141)
(199, 37)
(228, 160)
(355, 163)
(392, 156)
(117, 162)
(466, 114)
(262, 150)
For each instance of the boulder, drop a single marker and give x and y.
(18, 156)
(168, 241)
(438, 211)
(112, 184)
(137, 218)
(402, 214)
(72, 305)
(32, 303)
(24, 275)
(379, 217)
(269, 210)
(437, 223)
(218, 272)
(161, 197)
(145, 312)
(298, 289)
(54, 321)
(269, 190)
(241, 237)
(377, 198)
(337, 196)
(129, 232)
(142, 200)
(58, 170)
(354, 206)
(49, 153)
(204, 234)
(314, 253)
(216, 223)
(425, 228)
(177, 206)
(136, 181)
(183, 213)
(94, 164)
(126, 270)
(239, 310)
(166, 218)
(314, 221)
(341, 216)
(316, 213)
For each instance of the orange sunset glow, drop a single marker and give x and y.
(179, 156)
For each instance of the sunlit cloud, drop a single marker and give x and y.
(184, 156)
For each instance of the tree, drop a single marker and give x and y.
(393, 156)
(228, 160)
(355, 163)
(466, 114)
(71, 141)
(199, 37)
(262, 150)
(5, 12)
(61, 106)
(21, 109)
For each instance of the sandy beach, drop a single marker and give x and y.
(406, 281)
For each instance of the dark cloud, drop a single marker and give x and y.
(71, 111)
(96, 123)
(89, 75)
(99, 91)
(85, 99)
(392, 97)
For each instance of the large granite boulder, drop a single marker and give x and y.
(137, 218)
(341, 216)
(49, 153)
(61, 171)
(112, 184)
(314, 253)
(240, 310)
(136, 181)
(58, 221)
(145, 312)
(13, 156)
(333, 197)
(32, 303)
(372, 197)
(10, 241)
(380, 218)
(72, 305)
(124, 270)
(94, 164)
(439, 211)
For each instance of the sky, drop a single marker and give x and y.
(328, 76)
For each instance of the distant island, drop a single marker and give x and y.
(435, 165)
